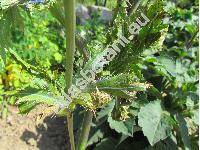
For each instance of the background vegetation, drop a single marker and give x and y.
(155, 103)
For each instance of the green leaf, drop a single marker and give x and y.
(155, 92)
(123, 85)
(125, 127)
(5, 31)
(169, 64)
(195, 116)
(95, 137)
(58, 57)
(57, 12)
(184, 131)
(107, 109)
(31, 69)
(20, 60)
(149, 35)
(122, 139)
(167, 144)
(4, 4)
(106, 144)
(46, 98)
(154, 122)
(137, 104)
(25, 108)
(2, 61)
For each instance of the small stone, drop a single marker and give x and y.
(9, 120)
(106, 14)
(32, 142)
(82, 14)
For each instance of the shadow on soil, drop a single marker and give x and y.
(51, 135)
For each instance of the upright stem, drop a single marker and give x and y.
(87, 120)
(71, 131)
(70, 24)
(104, 4)
(97, 2)
(85, 129)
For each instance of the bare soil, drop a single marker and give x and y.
(33, 131)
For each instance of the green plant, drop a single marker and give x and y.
(143, 99)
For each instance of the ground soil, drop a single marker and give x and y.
(35, 131)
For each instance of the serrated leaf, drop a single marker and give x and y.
(125, 127)
(38, 72)
(25, 108)
(121, 85)
(43, 98)
(154, 122)
(95, 137)
(148, 35)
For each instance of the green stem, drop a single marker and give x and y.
(71, 130)
(84, 134)
(88, 115)
(70, 24)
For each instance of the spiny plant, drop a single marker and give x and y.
(121, 95)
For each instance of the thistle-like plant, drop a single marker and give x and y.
(121, 96)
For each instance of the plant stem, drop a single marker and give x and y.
(97, 2)
(70, 24)
(104, 4)
(88, 115)
(84, 134)
(71, 130)
(189, 44)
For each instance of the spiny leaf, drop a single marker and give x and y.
(123, 85)
(43, 98)
(31, 69)
(147, 37)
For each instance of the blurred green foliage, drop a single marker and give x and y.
(170, 66)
